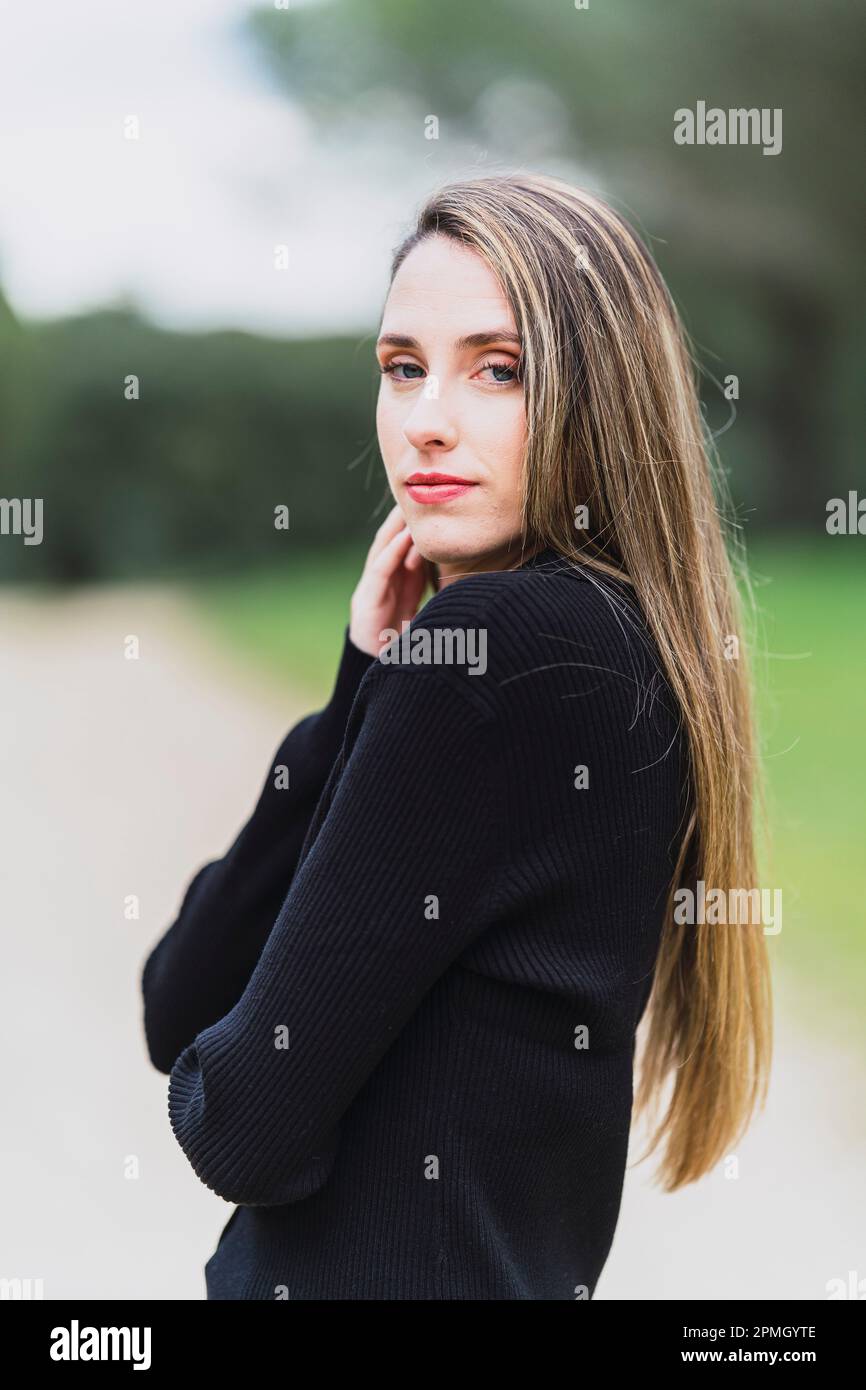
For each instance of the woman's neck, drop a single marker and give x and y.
(507, 557)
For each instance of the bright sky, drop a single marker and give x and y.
(183, 221)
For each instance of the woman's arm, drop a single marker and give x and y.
(199, 968)
(394, 885)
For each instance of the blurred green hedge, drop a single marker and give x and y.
(186, 478)
(229, 426)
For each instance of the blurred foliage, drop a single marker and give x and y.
(185, 479)
(762, 254)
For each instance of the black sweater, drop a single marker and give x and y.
(399, 1015)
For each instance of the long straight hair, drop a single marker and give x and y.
(614, 426)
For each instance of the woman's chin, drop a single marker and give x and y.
(442, 544)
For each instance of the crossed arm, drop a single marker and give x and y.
(395, 881)
(199, 968)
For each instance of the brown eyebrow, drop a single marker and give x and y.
(472, 340)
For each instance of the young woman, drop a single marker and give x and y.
(400, 1014)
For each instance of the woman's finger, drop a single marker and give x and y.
(389, 528)
(393, 554)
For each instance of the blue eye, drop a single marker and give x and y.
(500, 367)
(391, 367)
(512, 369)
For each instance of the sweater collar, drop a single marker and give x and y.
(541, 557)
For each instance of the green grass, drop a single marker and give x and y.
(289, 622)
(810, 669)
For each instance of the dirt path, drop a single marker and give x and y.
(794, 1217)
(121, 777)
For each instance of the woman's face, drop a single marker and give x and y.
(450, 402)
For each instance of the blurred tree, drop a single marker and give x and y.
(776, 236)
(762, 252)
(226, 428)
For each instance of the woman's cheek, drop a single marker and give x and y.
(505, 429)
(388, 431)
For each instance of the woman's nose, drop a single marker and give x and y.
(429, 423)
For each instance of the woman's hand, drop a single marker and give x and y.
(390, 588)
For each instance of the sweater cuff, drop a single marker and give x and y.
(354, 665)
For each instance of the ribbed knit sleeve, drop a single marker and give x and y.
(199, 968)
(395, 882)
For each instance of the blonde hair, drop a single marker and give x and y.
(614, 424)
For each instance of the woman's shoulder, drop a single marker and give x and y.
(485, 631)
(522, 608)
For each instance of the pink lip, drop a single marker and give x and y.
(436, 487)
